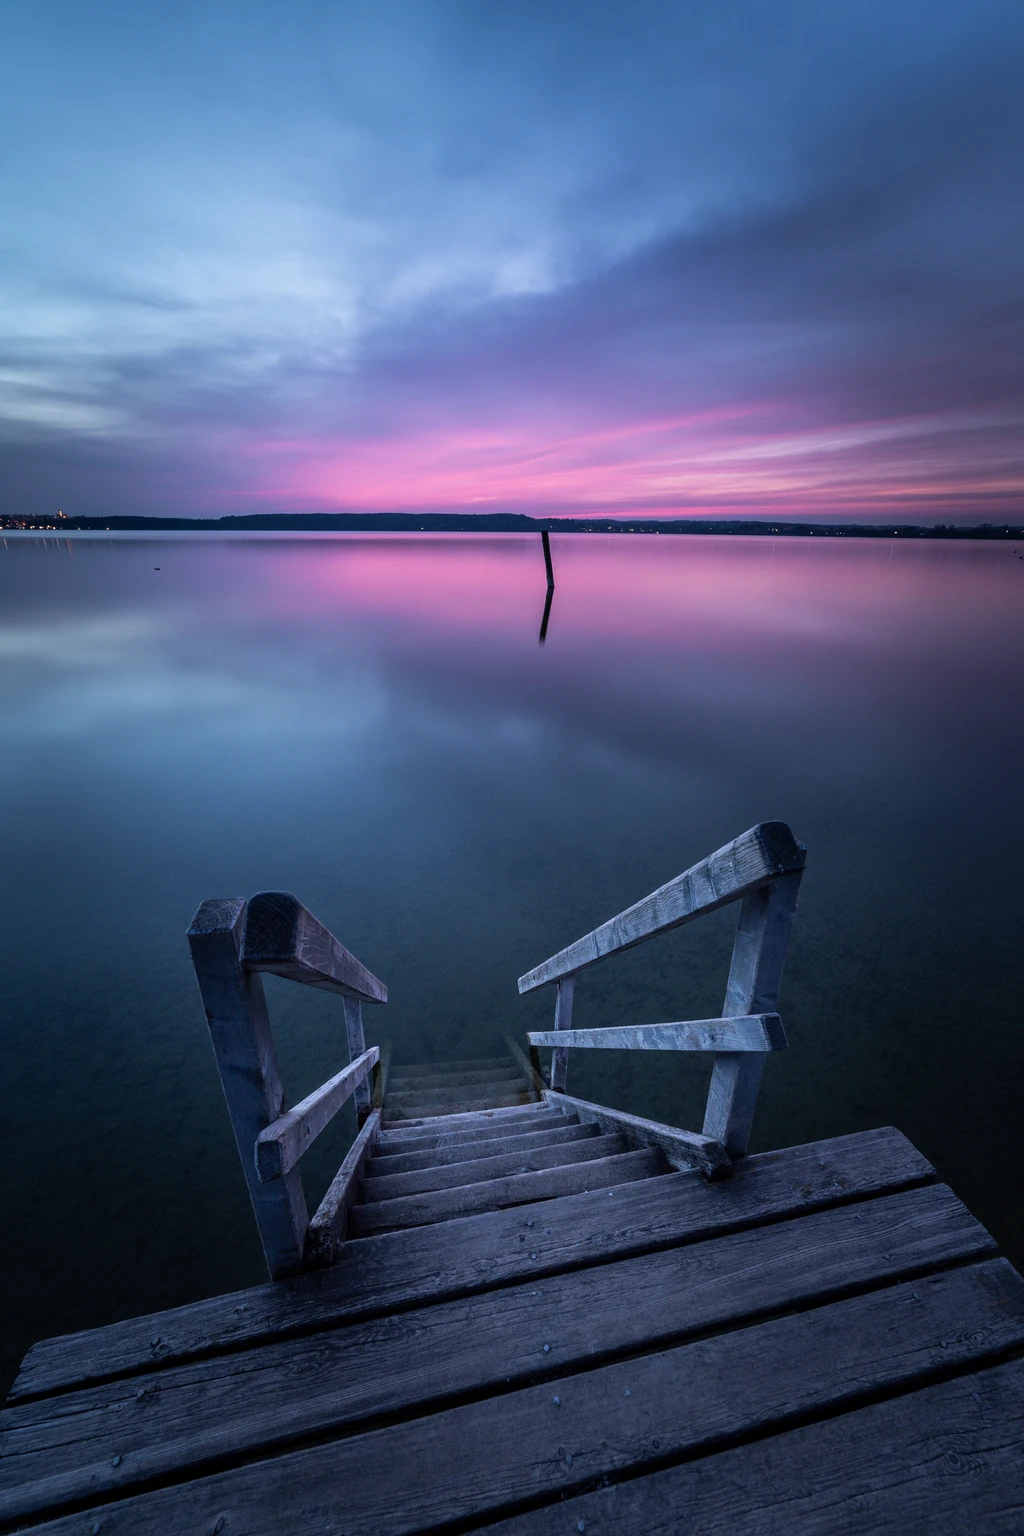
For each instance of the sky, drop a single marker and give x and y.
(603, 257)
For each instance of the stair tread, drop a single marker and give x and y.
(387, 1186)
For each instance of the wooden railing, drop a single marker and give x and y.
(761, 870)
(232, 942)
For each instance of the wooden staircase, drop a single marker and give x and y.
(436, 1159)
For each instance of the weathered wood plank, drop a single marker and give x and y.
(755, 977)
(236, 1011)
(327, 1228)
(486, 1145)
(682, 1149)
(494, 1194)
(409, 1268)
(943, 1461)
(754, 1032)
(283, 937)
(750, 861)
(280, 1146)
(551, 1439)
(468, 1064)
(526, 1160)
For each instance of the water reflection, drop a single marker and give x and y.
(371, 723)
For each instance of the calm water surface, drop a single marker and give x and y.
(371, 723)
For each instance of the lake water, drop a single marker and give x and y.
(372, 724)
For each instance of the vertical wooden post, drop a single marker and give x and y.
(356, 1047)
(236, 1011)
(755, 976)
(563, 1020)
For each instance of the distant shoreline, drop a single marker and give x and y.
(499, 522)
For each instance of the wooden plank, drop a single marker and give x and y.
(525, 1160)
(750, 861)
(443, 1157)
(405, 1269)
(380, 1076)
(494, 1194)
(755, 977)
(683, 1149)
(551, 1439)
(327, 1228)
(356, 1046)
(942, 1461)
(280, 1146)
(236, 1011)
(753, 1032)
(283, 937)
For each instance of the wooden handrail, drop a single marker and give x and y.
(232, 942)
(751, 1032)
(762, 870)
(283, 937)
(755, 859)
(280, 1146)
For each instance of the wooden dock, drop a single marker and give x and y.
(524, 1313)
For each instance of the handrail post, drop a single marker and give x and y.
(356, 1047)
(236, 1011)
(563, 1020)
(755, 976)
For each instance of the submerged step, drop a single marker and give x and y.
(514, 1083)
(421, 1111)
(420, 1138)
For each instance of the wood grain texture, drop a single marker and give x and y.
(682, 1149)
(279, 1147)
(494, 1194)
(409, 1268)
(750, 861)
(482, 1147)
(549, 1440)
(944, 1461)
(236, 1012)
(327, 1228)
(526, 1160)
(283, 937)
(752, 1032)
(755, 976)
